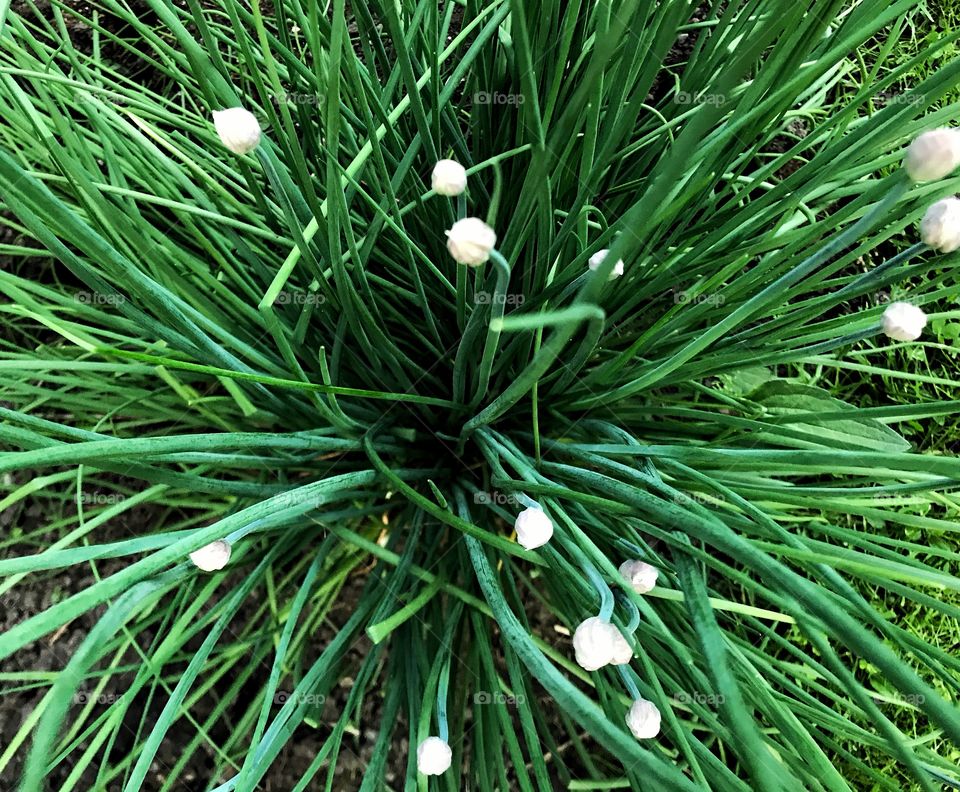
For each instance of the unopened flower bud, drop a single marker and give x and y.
(533, 528)
(597, 643)
(933, 155)
(238, 129)
(434, 756)
(212, 557)
(640, 576)
(643, 719)
(470, 241)
(903, 321)
(449, 178)
(940, 227)
(597, 259)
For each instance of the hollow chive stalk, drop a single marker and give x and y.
(443, 684)
(461, 271)
(897, 185)
(493, 330)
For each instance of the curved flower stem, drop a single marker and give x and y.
(582, 709)
(497, 304)
(528, 503)
(590, 571)
(461, 272)
(634, 612)
(633, 690)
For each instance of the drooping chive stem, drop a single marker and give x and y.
(596, 580)
(461, 271)
(634, 612)
(627, 675)
(493, 331)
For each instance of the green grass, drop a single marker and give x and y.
(278, 350)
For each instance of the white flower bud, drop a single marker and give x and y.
(470, 241)
(940, 227)
(933, 155)
(643, 719)
(449, 178)
(597, 643)
(238, 129)
(433, 756)
(533, 528)
(640, 576)
(903, 321)
(212, 557)
(597, 259)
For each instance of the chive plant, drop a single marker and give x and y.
(248, 295)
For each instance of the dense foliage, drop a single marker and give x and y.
(276, 349)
